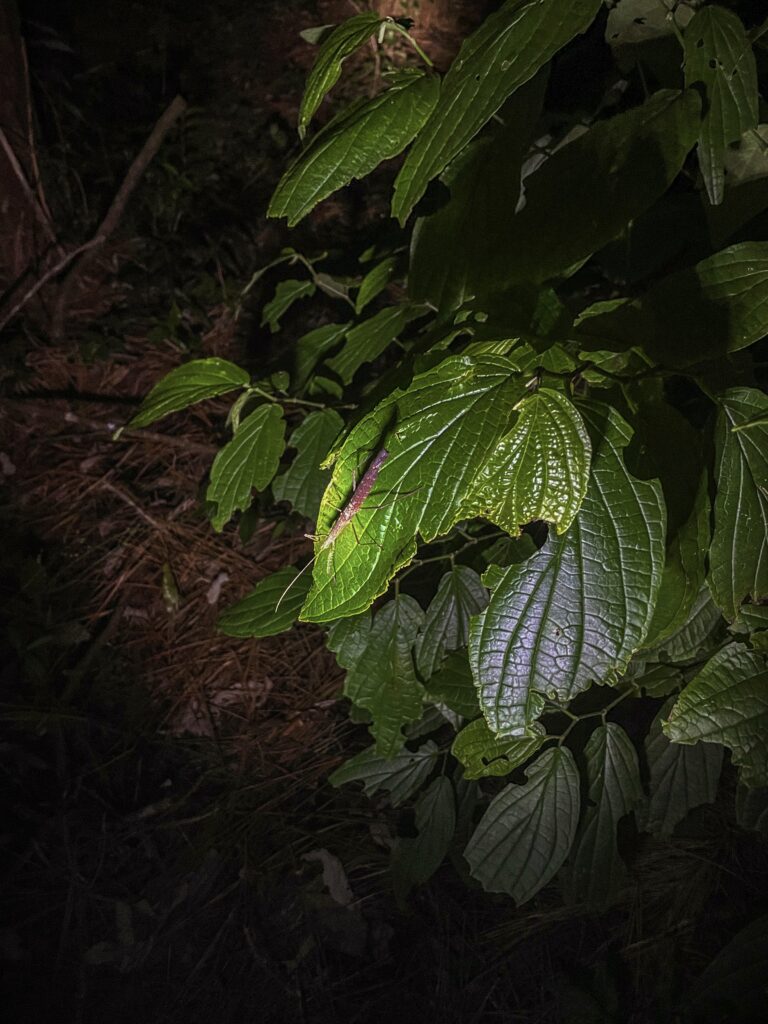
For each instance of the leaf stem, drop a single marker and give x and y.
(404, 32)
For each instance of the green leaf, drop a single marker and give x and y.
(484, 182)
(577, 611)
(527, 831)
(257, 614)
(368, 340)
(384, 679)
(539, 470)
(482, 754)
(337, 46)
(460, 594)
(400, 775)
(354, 143)
(718, 54)
(436, 433)
(286, 293)
(304, 482)
(716, 307)
(312, 346)
(738, 557)
(414, 861)
(248, 461)
(348, 639)
(727, 703)
(615, 171)
(699, 633)
(374, 282)
(633, 22)
(681, 778)
(613, 774)
(187, 384)
(503, 54)
(454, 686)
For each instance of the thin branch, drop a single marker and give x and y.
(115, 212)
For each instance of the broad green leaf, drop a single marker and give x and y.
(400, 775)
(484, 182)
(312, 346)
(348, 639)
(613, 774)
(578, 609)
(684, 572)
(374, 282)
(503, 54)
(368, 340)
(632, 22)
(414, 861)
(716, 307)
(460, 594)
(698, 634)
(727, 703)
(738, 557)
(539, 470)
(752, 617)
(661, 680)
(454, 686)
(436, 433)
(304, 482)
(354, 143)
(527, 831)
(286, 293)
(258, 615)
(247, 462)
(336, 47)
(614, 171)
(187, 384)
(384, 679)
(747, 160)
(483, 754)
(719, 55)
(681, 778)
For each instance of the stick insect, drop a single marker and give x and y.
(346, 516)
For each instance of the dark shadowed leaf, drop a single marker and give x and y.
(286, 293)
(503, 54)
(454, 686)
(368, 340)
(527, 831)
(415, 860)
(258, 615)
(312, 346)
(400, 775)
(374, 282)
(304, 482)
(460, 594)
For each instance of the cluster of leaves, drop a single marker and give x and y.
(565, 412)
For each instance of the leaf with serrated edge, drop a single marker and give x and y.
(727, 703)
(353, 144)
(257, 614)
(247, 462)
(304, 482)
(312, 346)
(738, 555)
(384, 679)
(374, 282)
(454, 686)
(527, 831)
(700, 632)
(718, 53)
(336, 47)
(187, 384)
(577, 611)
(436, 432)
(286, 293)
(348, 638)
(460, 594)
(482, 754)
(415, 860)
(503, 54)
(681, 778)
(615, 789)
(718, 306)
(539, 470)
(400, 775)
(368, 340)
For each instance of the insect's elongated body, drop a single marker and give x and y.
(355, 503)
(347, 514)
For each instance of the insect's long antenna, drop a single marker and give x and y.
(297, 577)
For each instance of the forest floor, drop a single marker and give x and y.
(173, 849)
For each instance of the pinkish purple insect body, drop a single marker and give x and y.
(359, 495)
